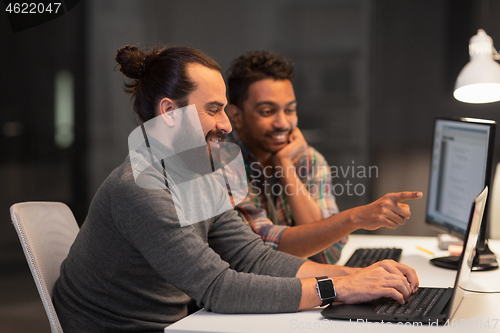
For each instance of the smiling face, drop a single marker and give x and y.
(210, 100)
(268, 116)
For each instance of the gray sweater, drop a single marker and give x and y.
(133, 268)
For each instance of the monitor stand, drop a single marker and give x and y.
(485, 260)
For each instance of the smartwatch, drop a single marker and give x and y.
(326, 290)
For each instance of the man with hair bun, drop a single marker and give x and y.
(134, 268)
(301, 217)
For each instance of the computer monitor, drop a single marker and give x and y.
(462, 152)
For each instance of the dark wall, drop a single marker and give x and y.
(32, 166)
(419, 48)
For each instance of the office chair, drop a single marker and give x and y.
(46, 231)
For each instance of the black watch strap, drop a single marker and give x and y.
(326, 290)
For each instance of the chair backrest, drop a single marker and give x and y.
(46, 231)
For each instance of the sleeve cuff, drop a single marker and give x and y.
(271, 234)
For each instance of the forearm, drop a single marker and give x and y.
(307, 273)
(313, 269)
(310, 239)
(304, 208)
(310, 297)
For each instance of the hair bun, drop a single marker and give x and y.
(131, 61)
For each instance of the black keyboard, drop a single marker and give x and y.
(366, 256)
(418, 304)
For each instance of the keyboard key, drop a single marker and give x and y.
(403, 307)
(383, 308)
(393, 308)
(416, 301)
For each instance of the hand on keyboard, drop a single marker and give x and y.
(383, 279)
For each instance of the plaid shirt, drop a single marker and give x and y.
(266, 209)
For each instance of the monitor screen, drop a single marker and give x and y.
(460, 168)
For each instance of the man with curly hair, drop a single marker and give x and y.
(290, 202)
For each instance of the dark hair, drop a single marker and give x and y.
(159, 73)
(252, 67)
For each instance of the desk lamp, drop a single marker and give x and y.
(479, 83)
(479, 80)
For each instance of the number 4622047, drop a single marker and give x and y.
(32, 8)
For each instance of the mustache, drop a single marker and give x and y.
(217, 135)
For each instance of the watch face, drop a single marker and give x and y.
(326, 289)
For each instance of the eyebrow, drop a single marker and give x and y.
(273, 104)
(215, 103)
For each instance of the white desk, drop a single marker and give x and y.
(476, 310)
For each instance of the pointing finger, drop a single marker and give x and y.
(402, 196)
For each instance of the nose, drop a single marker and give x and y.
(223, 123)
(280, 121)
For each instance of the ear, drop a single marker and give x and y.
(236, 115)
(165, 109)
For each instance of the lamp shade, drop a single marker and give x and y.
(479, 80)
